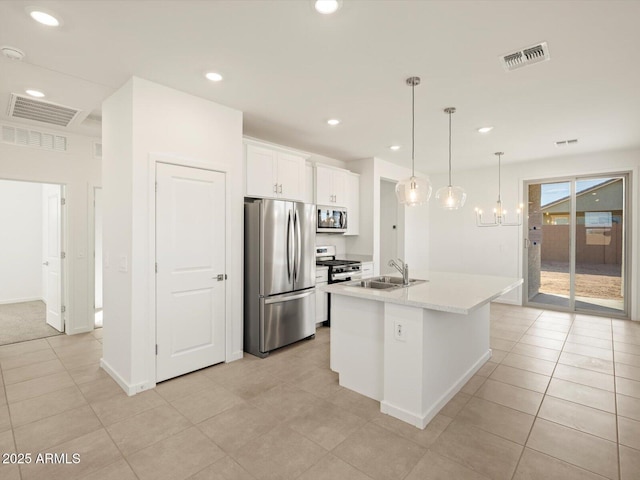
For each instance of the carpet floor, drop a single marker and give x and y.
(24, 321)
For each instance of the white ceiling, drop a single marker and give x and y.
(289, 69)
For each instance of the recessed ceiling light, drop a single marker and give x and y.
(485, 129)
(213, 76)
(327, 7)
(394, 147)
(35, 93)
(12, 52)
(43, 16)
(333, 122)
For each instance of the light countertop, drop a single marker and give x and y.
(447, 292)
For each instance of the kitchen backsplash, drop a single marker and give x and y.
(332, 239)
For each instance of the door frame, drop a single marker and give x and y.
(629, 271)
(91, 208)
(182, 161)
(64, 247)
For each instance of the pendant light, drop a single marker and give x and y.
(450, 197)
(499, 213)
(414, 190)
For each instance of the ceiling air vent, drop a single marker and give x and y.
(526, 56)
(564, 143)
(28, 108)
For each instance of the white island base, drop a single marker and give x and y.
(412, 359)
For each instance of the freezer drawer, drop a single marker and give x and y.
(287, 318)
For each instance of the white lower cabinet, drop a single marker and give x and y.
(322, 298)
(367, 269)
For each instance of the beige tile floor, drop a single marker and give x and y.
(560, 399)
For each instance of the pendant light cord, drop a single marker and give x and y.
(499, 176)
(413, 128)
(450, 112)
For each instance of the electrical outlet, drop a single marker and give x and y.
(399, 331)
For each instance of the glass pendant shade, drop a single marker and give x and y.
(413, 191)
(451, 197)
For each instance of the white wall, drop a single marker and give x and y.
(389, 212)
(457, 245)
(143, 120)
(97, 230)
(79, 171)
(20, 241)
(413, 226)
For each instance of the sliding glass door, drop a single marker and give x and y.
(575, 241)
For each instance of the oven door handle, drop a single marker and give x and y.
(346, 276)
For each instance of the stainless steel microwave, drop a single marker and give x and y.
(331, 220)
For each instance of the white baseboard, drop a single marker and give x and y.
(21, 300)
(79, 330)
(421, 421)
(508, 301)
(237, 355)
(129, 389)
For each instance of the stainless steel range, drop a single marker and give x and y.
(339, 270)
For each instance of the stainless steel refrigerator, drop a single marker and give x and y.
(279, 274)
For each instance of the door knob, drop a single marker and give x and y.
(45, 263)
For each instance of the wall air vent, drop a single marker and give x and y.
(564, 143)
(526, 56)
(28, 108)
(32, 138)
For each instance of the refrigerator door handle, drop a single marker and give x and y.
(287, 297)
(289, 246)
(296, 223)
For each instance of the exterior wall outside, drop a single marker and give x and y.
(556, 245)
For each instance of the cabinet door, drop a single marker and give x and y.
(309, 182)
(291, 175)
(322, 303)
(353, 204)
(339, 187)
(324, 189)
(367, 269)
(261, 171)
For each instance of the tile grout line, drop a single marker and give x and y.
(103, 428)
(615, 399)
(544, 395)
(13, 434)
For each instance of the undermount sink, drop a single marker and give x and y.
(373, 284)
(385, 283)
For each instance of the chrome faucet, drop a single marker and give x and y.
(403, 268)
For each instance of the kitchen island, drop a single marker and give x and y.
(413, 348)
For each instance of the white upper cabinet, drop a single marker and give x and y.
(331, 186)
(274, 173)
(352, 191)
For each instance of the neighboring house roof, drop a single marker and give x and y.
(605, 196)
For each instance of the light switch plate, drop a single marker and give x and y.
(399, 331)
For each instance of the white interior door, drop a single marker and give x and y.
(53, 259)
(190, 253)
